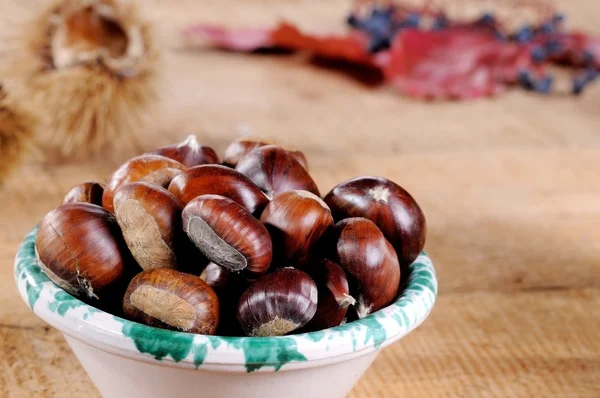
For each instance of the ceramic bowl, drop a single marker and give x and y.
(126, 359)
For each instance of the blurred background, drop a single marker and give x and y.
(509, 186)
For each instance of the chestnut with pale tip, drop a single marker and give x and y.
(150, 219)
(80, 248)
(239, 148)
(170, 299)
(155, 169)
(189, 152)
(296, 220)
(369, 260)
(278, 303)
(389, 206)
(218, 180)
(274, 170)
(86, 192)
(242, 146)
(227, 234)
(334, 296)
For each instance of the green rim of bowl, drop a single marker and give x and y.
(84, 322)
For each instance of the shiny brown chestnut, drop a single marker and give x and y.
(189, 152)
(239, 148)
(86, 192)
(334, 296)
(296, 221)
(242, 146)
(155, 169)
(150, 219)
(370, 261)
(80, 248)
(389, 206)
(229, 287)
(170, 299)
(218, 180)
(274, 170)
(227, 234)
(278, 303)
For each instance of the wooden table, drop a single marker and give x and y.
(510, 187)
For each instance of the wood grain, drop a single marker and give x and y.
(509, 186)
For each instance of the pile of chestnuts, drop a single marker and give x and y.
(177, 239)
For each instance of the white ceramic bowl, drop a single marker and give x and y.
(127, 360)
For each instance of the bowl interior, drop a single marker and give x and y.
(130, 339)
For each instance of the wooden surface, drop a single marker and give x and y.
(510, 187)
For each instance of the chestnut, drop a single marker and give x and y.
(334, 296)
(300, 157)
(150, 218)
(80, 248)
(278, 303)
(239, 148)
(296, 221)
(86, 192)
(370, 261)
(389, 206)
(227, 234)
(274, 170)
(228, 287)
(218, 180)
(170, 299)
(189, 152)
(156, 169)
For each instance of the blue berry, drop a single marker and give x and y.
(546, 27)
(487, 19)
(353, 21)
(558, 18)
(412, 20)
(377, 44)
(538, 54)
(587, 57)
(553, 47)
(440, 22)
(543, 85)
(579, 84)
(526, 80)
(380, 25)
(524, 35)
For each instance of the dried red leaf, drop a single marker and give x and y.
(454, 59)
(453, 63)
(243, 40)
(351, 47)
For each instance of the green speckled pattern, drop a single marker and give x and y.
(142, 342)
